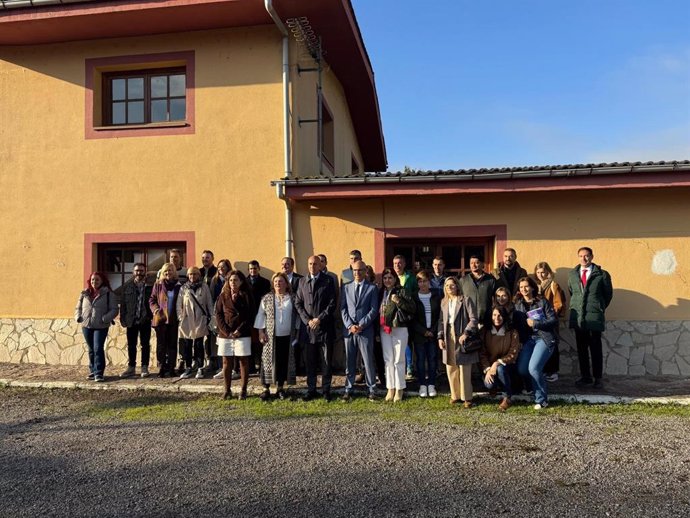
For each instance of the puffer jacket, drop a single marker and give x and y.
(587, 306)
(96, 313)
(194, 315)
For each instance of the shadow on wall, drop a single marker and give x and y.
(651, 308)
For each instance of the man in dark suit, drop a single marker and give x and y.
(315, 303)
(287, 266)
(259, 286)
(359, 309)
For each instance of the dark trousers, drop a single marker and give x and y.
(282, 354)
(319, 353)
(166, 346)
(553, 364)
(589, 342)
(142, 332)
(193, 351)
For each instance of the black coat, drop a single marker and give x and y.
(317, 301)
(259, 288)
(419, 323)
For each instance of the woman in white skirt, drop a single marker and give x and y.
(234, 315)
(396, 313)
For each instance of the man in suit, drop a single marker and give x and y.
(315, 304)
(347, 274)
(259, 286)
(324, 269)
(591, 292)
(287, 266)
(359, 309)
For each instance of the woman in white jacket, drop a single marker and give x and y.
(194, 311)
(95, 311)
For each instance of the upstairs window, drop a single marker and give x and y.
(140, 95)
(144, 97)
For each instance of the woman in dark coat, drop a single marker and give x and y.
(535, 322)
(235, 316)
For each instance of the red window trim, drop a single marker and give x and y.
(93, 64)
(92, 240)
(381, 234)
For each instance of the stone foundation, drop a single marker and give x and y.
(635, 348)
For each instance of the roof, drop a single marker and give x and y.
(53, 21)
(613, 175)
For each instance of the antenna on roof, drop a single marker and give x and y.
(304, 34)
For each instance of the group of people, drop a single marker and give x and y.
(217, 321)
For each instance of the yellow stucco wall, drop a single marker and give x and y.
(56, 185)
(304, 100)
(626, 229)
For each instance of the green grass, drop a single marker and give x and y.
(161, 408)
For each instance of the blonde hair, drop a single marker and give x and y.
(447, 282)
(165, 268)
(193, 269)
(285, 278)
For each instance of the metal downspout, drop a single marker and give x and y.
(280, 188)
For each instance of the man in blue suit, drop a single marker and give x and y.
(359, 303)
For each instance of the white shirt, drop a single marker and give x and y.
(426, 302)
(587, 269)
(283, 316)
(452, 302)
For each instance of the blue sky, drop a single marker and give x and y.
(492, 83)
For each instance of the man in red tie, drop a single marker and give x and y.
(591, 292)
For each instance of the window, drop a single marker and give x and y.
(140, 95)
(144, 97)
(117, 260)
(354, 169)
(327, 137)
(456, 253)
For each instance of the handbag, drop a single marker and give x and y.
(472, 344)
(402, 317)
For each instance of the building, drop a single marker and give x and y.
(128, 128)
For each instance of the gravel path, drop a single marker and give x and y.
(57, 460)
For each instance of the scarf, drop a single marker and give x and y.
(545, 286)
(193, 285)
(169, 285)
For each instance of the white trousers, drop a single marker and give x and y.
(393, 346)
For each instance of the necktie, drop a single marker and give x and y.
(584, 277)
(357, 293)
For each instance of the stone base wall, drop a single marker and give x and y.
(634, 348)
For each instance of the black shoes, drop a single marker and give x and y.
(597, 384)
(346, 398)
(311, 395)
(282, 395)
(327, 396)
(265, 395)
(372, 397)
(584, 382)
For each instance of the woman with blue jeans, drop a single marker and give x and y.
(424, 329)
(95, 311)
(535, 321)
